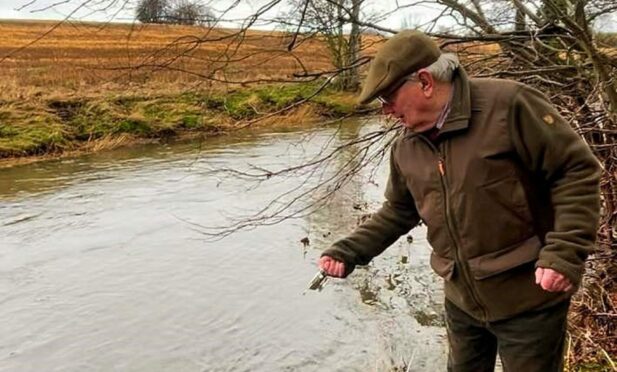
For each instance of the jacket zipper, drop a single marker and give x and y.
(451, 227)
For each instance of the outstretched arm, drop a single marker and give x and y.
(396, 217)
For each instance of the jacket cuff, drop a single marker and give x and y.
(574, 273)
(341, 254)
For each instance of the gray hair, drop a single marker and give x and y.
(442, 69)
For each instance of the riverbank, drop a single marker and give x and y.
(40, 128)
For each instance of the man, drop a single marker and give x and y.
(509, 194)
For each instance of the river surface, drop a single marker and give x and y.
(104, 266)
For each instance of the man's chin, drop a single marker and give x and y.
(408, 126)
(416, 128)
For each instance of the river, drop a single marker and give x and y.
(104, 266)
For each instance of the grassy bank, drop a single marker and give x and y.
(55, 126)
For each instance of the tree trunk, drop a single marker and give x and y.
(519, 20)
(353, 81)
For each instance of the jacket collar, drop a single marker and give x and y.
(460, 110)
(460, 113)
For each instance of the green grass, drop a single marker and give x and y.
(249, 104)
(25, 130)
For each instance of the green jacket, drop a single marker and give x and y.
(507, 187)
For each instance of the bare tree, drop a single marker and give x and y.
(152, 11)
(187, 12)
(331, 20)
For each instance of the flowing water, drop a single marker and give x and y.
(104, 267)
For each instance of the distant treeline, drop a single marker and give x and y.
(607, 38)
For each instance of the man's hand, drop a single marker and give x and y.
(552, 281)
(332, 267)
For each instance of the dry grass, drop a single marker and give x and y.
(593, 318)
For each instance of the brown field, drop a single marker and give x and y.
(91, 58)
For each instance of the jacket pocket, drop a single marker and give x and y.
(494, 263)
(444, 267)
(508, 197)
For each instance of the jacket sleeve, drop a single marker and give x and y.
(396, 217)
(549, 147)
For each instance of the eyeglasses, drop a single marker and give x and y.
(388, 98)
(384, 101)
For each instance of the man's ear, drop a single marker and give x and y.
(426, 81)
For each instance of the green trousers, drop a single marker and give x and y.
(529, 342)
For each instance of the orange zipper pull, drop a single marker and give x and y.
(441, 168)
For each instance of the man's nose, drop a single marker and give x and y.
(386, 109)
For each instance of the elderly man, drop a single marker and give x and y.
(509, 194)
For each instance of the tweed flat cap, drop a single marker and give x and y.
(405, 53)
